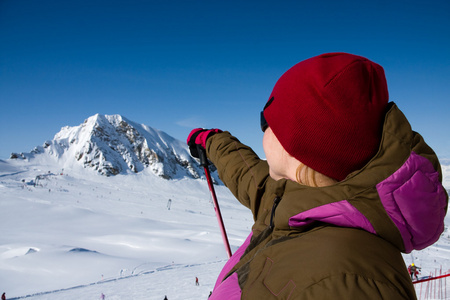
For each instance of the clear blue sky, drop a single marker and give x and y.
(177, 65)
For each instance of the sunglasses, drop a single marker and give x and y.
(263, 121)
(264, 124)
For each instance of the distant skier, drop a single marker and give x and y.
(3, 296)
(169, 203)
(413, 271)
(102, 296)
(165, 298)
(196, 281)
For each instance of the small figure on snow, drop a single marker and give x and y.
(3, 296)
(102, 296)
(169, 203)
(196, 281)
(165, 298)
(413, 271)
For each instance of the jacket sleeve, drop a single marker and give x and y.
(239, 167)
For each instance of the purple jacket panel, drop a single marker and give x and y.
(340, 213)
(234, 259)
(227, 290)
(415, 201)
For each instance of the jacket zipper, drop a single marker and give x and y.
(276, 201)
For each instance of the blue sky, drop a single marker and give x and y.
(177, 65)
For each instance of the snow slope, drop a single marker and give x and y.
(79, 228)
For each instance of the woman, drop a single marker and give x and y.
(347, 186)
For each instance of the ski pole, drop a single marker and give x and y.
(204, 163)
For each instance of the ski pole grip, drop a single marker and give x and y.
(202, 156)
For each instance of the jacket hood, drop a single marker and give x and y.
(398, 195)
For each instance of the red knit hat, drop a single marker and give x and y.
(328, 112)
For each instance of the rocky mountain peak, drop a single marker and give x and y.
(112, 144)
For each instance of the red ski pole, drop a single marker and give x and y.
(204, 163)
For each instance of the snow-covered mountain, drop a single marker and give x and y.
(112, 144)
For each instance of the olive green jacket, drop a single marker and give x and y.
(338, 242)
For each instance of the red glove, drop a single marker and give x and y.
(197, 138)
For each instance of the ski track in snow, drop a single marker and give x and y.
(145, 285)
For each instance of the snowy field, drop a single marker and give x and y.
(76, 235)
